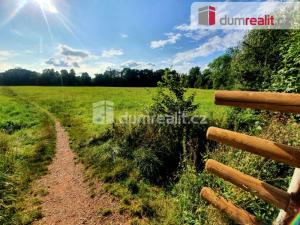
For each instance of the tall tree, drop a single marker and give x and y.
(85, 79)
(193, 76)
(258, 58)
(220, 69)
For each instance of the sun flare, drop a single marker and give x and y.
(47, 5)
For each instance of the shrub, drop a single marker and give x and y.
(245, 120)
(149, 164)
(120, 171)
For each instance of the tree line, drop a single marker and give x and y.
(124, 78)
(50, 77)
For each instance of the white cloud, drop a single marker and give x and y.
(123, 35)
(71, 52)
(63, 62)
(213, 45)
(137, 65)
(185, 27)
(183, 67)
(68, 57)
(199, 34)
(172, 38)
(6, 54)
(5, 66)
(103, 66)
(195, 32)
(95, 68)
(112, 53)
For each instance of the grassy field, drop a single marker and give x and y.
(26, 147)
(73, 105)
(112, 153)
(132, 100)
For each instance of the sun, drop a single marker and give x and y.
(48, 6)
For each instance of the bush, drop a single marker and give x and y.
(119, 172)
(149, 165)
(245, 120)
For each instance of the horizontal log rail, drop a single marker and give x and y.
(267, 192)
(269, 149)
(282, 102)
(239, 215)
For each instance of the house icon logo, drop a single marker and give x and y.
(103, 112)
(207, 15)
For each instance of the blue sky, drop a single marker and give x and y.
(94, 35)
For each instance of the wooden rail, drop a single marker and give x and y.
(237, 214)
(281, 102)
(290, 202)
(267, 192)
(259, 146)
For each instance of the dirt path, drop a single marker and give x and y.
(68, 201)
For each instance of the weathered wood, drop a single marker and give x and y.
(269, 149)
(267, 192)
(283, 102)
(237, 214)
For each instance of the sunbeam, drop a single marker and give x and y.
(68, 26)
(47, 23)
(48, 6)
(21, 4)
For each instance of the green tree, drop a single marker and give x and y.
(287, 78)
(221, 73)
(258, 58)
(193, 76)
(184, 139)
(49, 77)
(85, 79)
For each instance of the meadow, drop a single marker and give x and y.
(126, 99)
(75, 104)
(125, 157)
(73, 107)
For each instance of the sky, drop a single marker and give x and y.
(95, 35)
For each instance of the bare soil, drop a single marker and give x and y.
(69, 201)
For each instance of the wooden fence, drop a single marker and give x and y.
(288, 202)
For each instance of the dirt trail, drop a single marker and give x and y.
(68, 201)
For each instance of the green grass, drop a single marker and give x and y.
(73, 105)
(178, 202)
(26, 148)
